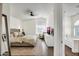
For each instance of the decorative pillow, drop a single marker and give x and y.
(16, 34)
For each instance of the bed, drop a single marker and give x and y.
(27, 40)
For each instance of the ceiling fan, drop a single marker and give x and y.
(29, 12)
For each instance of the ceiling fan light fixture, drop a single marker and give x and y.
(31, 14)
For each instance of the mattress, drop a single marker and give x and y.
(24, 41)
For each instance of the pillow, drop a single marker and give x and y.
(16, 34)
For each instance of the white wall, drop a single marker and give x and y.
(50, 19)
(29, 27)
(67, 31)
(15, 22)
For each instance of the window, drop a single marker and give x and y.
(76, 28)
(40, 29)
(76, 31)
(40, 26)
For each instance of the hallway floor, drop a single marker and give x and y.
(68, 52)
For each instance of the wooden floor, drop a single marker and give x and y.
(68, 52)
(39, 50)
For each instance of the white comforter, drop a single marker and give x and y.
(27, 39)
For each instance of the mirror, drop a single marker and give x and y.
(5, 36)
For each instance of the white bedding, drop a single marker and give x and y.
(27, 39)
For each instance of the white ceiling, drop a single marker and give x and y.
(40, 10)
(71, 9)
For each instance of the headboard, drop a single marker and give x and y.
(14, 30)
